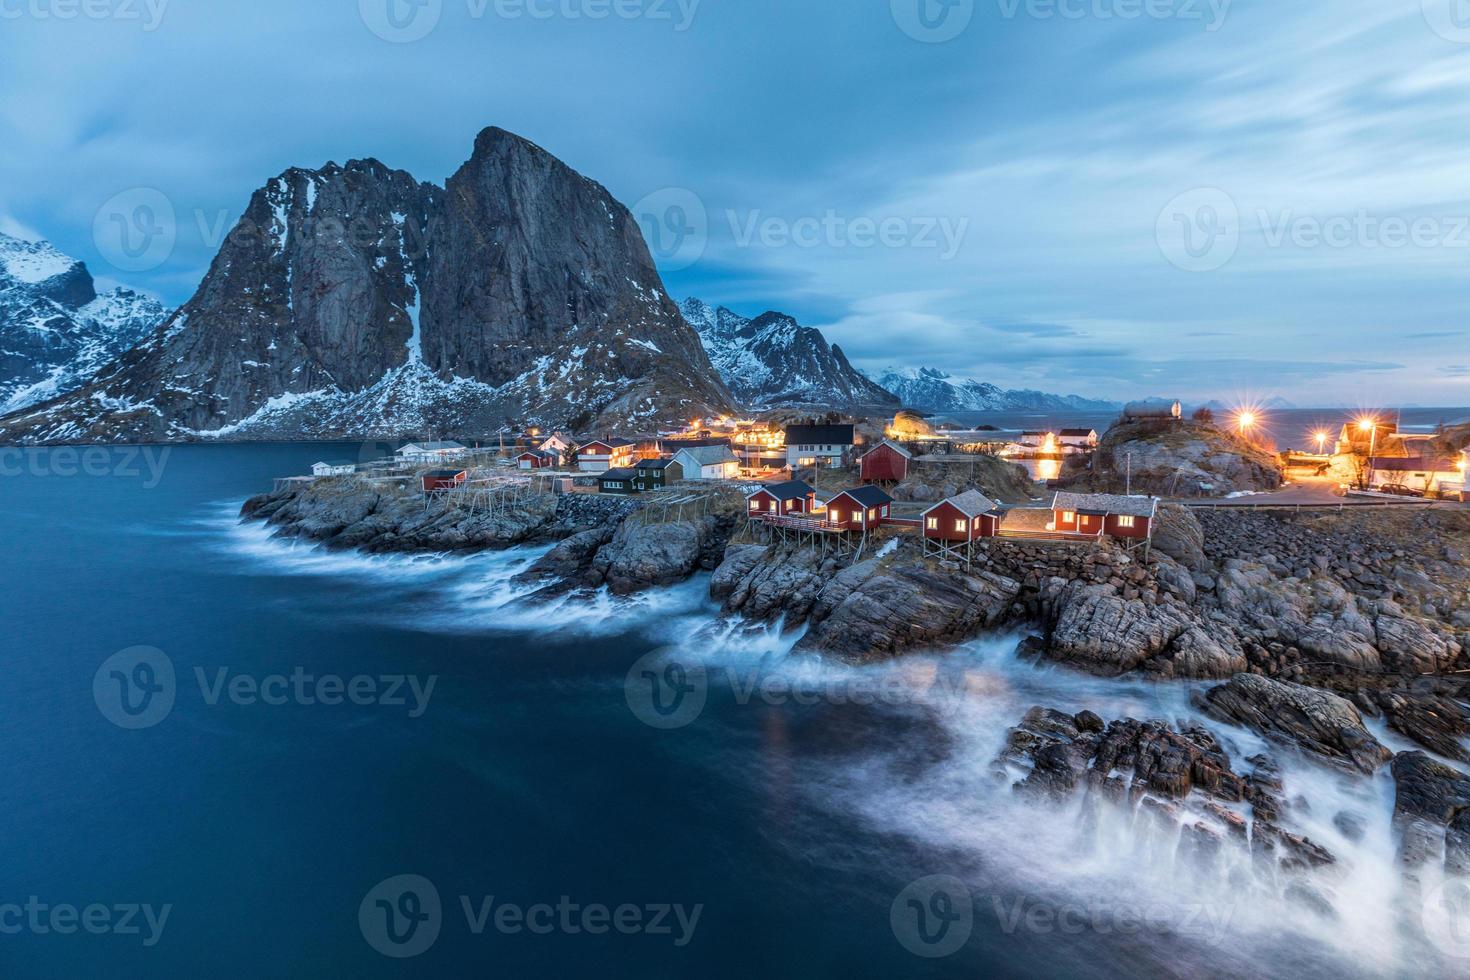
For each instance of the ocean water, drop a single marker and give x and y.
(524, 802)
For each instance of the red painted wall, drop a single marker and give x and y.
(948, 514)
(884, 465)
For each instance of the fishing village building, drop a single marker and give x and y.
(431, 452)
(338, 467)
(440, 481)
(1099, 514)
(1078, 438)
(861, 507)
(821, 446)
(887, 462)
(623, 480)
(601, 455)
(708, 463)
(655, 474)
(791, 497)
(951, 526)
(537, 459)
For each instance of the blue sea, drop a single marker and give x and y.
(234, 756)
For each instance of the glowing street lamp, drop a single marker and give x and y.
(1246, 420)
(1321, 438)
(1370, 425)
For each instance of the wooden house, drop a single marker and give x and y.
(887, 462)
(537, 459)
(963, 519)
(337, 467)
(1427, 474)
(825, 446)
(708, 463)
(438, 481)
(791, 497)
(1078, 438)
(859, 508)
(1038, 440)
(1098, 514)
(558, 442)
(623, 480)
(431, 452)
(655, 474)
(601, 455)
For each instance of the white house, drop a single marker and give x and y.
(559, 443)
(708, 463)
(1427, 474)
(431, 452)
(824, 446)
(1078, 438)
(337, 467)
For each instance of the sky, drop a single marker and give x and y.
(1233, 199)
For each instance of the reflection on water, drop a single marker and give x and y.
(1041, 469)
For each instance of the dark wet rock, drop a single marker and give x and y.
(1436, 721)
(1319, 722)
(641, 556)
(1431, 811)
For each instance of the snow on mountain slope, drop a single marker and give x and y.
(931, 390)
(56, 332)
(773, 360)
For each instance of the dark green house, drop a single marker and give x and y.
(623, 481)
(655, 474)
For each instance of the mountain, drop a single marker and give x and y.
(357, 302)
(56, 331)
(772, 360)
(931, 390)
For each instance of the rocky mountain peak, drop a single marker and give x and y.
(357, 301)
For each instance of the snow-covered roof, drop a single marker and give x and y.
(1105, 503)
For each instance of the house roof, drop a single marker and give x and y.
(971, 503)
(1105, 503)
(709, 455)
(1035, 433)
(538, 454)
(891, 445)
(445, 474)
(626, 473)
(335, 462)
(1078, 432)
(819, 435)
(867, 496)
(430, 447)
(611, 443)
(654, 464)
(789, 490)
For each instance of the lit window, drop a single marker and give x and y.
(1068, 516)
(1125, 522)
(837, 517)
(933, 523)
(773, 506)
(755, 505)
(960, 526)
(873, 514)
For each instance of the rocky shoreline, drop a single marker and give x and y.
(1315, 626)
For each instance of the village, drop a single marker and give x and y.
(835, 484)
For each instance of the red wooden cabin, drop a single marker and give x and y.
(963, 519)
(536, 459)
(1107, 514)
(858, 508)
(791, 497)
(439, 480)
(887, 462)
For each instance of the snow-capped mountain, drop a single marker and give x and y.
(931, 390)
(56, 331)
(772, 360)
(356, 302)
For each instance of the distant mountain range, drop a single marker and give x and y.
(932, 390)
(772, 360)
(56, 330)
